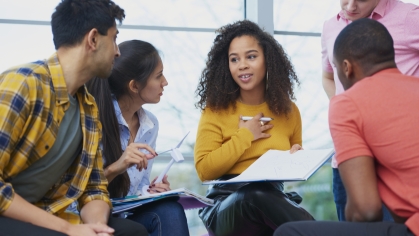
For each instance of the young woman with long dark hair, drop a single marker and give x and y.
(130, 133)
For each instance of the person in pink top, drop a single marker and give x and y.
(402, 21)
(375, 128)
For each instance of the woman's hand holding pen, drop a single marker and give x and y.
(256, 127)
(133, 156)
(159, 187)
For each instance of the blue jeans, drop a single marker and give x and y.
(164, 217)
(339, 194)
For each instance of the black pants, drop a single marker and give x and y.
(12, 227)
(325, 228)
(253, 209)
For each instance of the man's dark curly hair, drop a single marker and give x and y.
(217, 89)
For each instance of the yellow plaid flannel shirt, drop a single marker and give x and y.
(33, 100)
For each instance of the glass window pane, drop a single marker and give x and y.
(416, 2)
(179, 13)
(183, 13)
(27, 9)
(311, 98)
(24, 43)
(303, 15)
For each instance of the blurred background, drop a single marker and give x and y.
(183, 31)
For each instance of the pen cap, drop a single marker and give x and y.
(177, 155)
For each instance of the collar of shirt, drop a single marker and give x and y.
(58, 81)
(378, 12)
(60, 86)
(145, 121)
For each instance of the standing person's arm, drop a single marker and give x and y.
(411, 37)
(328, 82)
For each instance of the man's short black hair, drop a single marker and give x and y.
(72, 19)
(366, 42)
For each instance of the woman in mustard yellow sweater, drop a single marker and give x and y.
(247, 74)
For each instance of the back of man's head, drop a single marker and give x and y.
(72, 19)
(365, 42)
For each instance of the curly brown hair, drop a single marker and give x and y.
(218, 90)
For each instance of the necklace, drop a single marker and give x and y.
(131, 137)
(135, 126)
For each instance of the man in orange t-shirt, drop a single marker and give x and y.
(375, 129)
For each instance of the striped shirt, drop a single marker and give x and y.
(33, 100)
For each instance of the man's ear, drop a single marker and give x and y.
(348, 68)
(92, 39)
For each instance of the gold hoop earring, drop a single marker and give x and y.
(267, 76)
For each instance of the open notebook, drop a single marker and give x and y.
(276, 165)
(187, 199)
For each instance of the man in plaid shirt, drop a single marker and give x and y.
(50, 131)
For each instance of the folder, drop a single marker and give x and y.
(187, 198)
